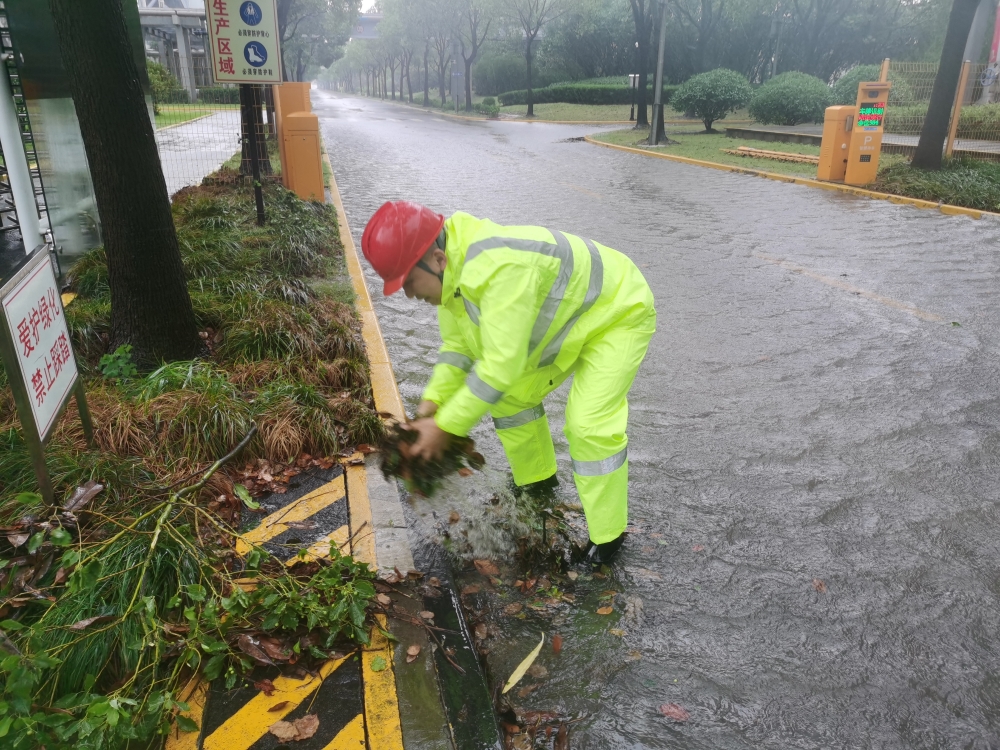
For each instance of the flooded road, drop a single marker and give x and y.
(813, 441)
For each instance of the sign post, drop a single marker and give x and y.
(38, 358)
(246, 49)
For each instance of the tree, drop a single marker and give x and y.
(532, 15)
(935, 129)
(150, 306)
(713, 95)
(642, 15)
(312, 33)
(474, 25)
(703, 17)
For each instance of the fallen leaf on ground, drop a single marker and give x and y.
(617, 632)
(675, 712)
(557, 641)
(434, 581)
(634, 655)
(378, 664)
(384, 600)
(82, 495)
(427, 615)
(278, 706)
(412, 653)
(573, 575)
(526, 690)
(84, 624)
(285, 731)
(524, 666)
(276, 649)
(538, 671)
(512, 609)
(16, 540)
(698, 548)
(266, 687)
(486, 568)
(453, 517)
(465, 471)
(472, 588)
(253, 650)
(819, 585)
(294, 731)
(480, 631)
(605, 610)
(307, 726)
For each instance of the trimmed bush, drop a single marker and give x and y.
(219, 95)
(488, 107)
(712, 95)
(978, 122)
(845, 90)
(789, 99)
(581, 93)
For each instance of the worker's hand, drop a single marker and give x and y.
(426, 409)
(432, 441)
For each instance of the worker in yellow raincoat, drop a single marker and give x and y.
(521, 308)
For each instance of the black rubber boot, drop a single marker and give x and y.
(540, 490)
(597, 555)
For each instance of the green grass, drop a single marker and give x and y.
(960, 182)
(709, 147)
(174, 114)
(603, 113)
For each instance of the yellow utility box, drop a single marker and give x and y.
(838, 123)
(303, 159)
(866, 137)
(289, 98)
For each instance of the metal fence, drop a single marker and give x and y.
(201, 134)
(975, 126)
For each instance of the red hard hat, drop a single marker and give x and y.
(396, 237)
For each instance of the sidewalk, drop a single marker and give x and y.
(191, 150)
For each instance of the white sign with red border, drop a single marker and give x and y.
(243, 39)
(37, 323)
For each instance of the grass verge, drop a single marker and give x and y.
(112, 600)
(174, 114)
(960, 182)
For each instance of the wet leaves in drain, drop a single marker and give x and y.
(819, 585)
(424, 477)
(486, 568)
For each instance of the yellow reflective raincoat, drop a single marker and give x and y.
(523, 308)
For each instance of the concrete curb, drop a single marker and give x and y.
(944, 208)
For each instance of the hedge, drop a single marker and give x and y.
(789, 99)
(219, 95)
(979, 122)
(581, 93)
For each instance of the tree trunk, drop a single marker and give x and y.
(468, 83)
(150, 306)
(935, 129)
(442, 69)
(427, 75)
(527, 57)
(251, 101)
(392, 81)
(409, 83)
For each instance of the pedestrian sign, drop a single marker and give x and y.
(244, 41)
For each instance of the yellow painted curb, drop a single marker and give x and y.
(384, 388)
(944, 208)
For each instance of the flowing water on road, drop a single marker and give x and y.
(813, 442)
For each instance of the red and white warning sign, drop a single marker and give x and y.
(37, 323)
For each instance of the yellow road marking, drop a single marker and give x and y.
(351, 737)
(321, 547)
(252, 721)
(300, 510)
(67, 297)
(194, 694)
(381, 705)
(888, 301)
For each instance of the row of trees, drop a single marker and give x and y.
(571, 39)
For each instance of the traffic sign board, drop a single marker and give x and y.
(244, 40)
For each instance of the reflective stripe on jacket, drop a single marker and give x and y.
(518, 299)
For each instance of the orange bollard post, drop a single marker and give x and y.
(289, 98)
(303, 158)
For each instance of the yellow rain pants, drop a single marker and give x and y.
(524, 308)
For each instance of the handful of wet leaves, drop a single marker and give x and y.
(424, 477)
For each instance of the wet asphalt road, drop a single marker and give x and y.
(809, 409)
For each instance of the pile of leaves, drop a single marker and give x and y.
(110, 617)
(424, 477)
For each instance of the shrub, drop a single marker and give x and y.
(581, 93)
(712, 95)
(219, 95)
(165, 88)
(789, 99)
(845, 90)
(979, 122)
(489, 101)
(490, 110)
